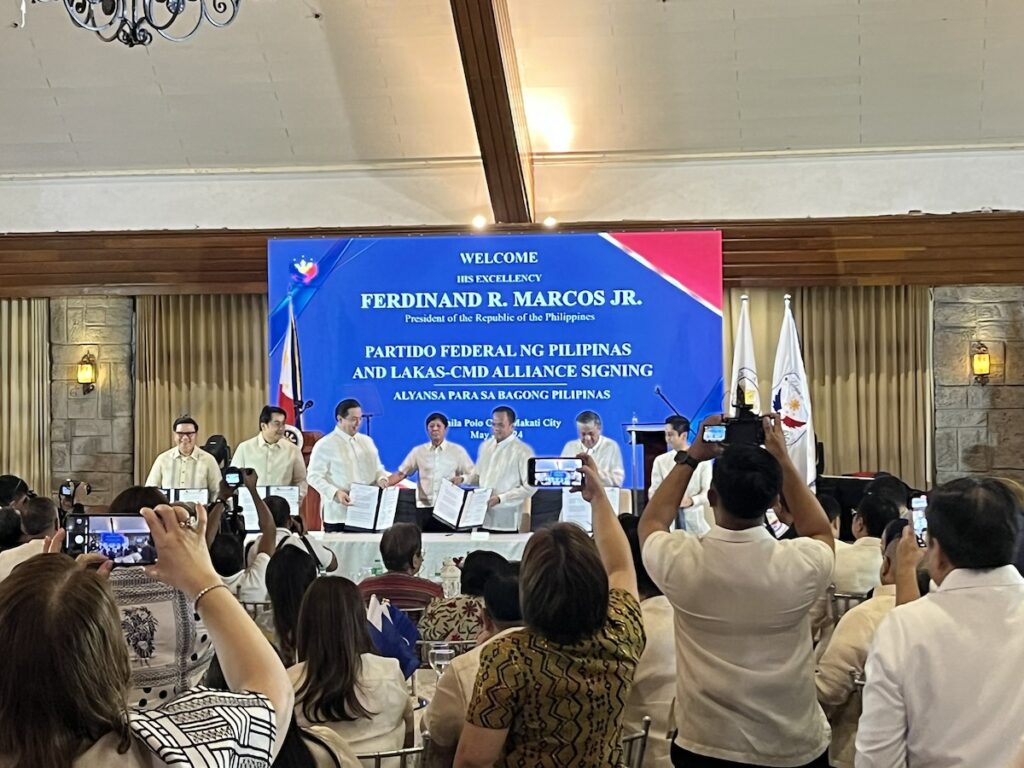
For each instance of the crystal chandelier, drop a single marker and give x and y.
(133, 22)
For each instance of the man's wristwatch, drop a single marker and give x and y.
(684, 458)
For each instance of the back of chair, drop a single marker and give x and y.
(412, 757)
(329, 750)
(635, 745)
(255, 609)
(844, 601)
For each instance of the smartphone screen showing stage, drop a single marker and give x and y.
(556, 473)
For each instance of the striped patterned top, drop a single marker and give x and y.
(208, 729)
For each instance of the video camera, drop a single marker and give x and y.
(745, 428)
(68, 488)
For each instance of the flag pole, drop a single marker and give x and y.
(296, 365)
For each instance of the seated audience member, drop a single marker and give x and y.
(339, 681)
(890, 486)
(169, 650)
(857, 566)
(14, 492)
(401, 547)
(834, 513)
(1017, 489)
(52, 607)
(247, 583)
(290, 572)
(944, 673)
(461, 617)
(553, 693)
(309, 747)
(848, 651)
(285, 533)
(38, 521)
(742, 601)
(446, 713)
(10, 529)
(654, 683)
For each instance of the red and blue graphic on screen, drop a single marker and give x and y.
(609, 317)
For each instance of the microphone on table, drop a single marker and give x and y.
(659, 393)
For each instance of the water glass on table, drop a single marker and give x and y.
(439, 656)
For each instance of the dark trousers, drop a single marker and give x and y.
(683, 759)
(334, 527)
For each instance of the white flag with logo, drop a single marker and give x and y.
(744, 367)
(791, 398)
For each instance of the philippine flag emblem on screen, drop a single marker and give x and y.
(303, 271)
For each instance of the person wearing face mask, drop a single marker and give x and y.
(340, 459)
(501, 466)
(433, 462)
(695, 513)
(606, 452)
(186, 465)
(277, 461)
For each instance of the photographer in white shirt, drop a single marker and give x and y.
(944, 672)
(276, 459)
(606, 452)
(341, 459)
(501, 466)
(247, 583)
(742, 602)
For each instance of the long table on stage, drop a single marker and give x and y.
(357, 551)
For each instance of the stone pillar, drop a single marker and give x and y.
(92, 435)
(979, 429)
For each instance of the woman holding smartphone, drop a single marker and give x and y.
(65, 670)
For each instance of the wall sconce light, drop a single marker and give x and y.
(980, 362)
(87, 372)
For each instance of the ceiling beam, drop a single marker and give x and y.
(495, 96)
(783, 253)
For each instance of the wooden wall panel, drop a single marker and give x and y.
(919, 250)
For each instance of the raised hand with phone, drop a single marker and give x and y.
(608, 534)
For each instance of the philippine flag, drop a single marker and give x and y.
(290, 384)
(791, 397)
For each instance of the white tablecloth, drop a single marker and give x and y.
(357, 551)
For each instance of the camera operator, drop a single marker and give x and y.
(72, 496)
(247, 584)
(742, 601)
(277, 460)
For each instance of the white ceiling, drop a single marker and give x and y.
(368, 81)
(700, 76)
(380, 81)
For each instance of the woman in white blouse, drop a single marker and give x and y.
(64, 670)
(339, 682)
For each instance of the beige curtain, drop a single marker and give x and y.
(25, 391)
(201, 355)
(868, 356)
